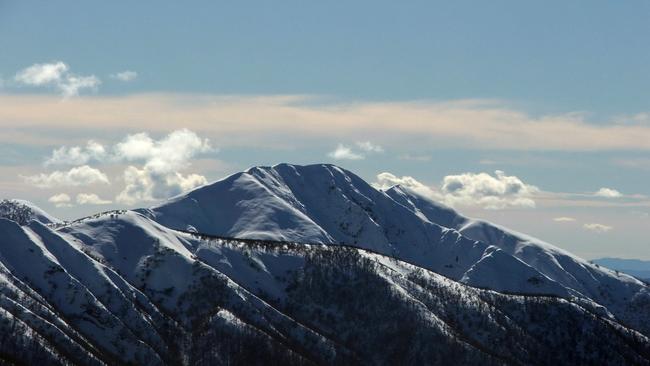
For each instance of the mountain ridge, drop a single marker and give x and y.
(320, 261)
(138, 291)
(326, 204)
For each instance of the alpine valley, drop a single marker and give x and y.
(304, 265)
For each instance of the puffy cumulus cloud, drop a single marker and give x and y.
(564, 219)
(138, 186)
(608, 193)
(147, 185)
(60, 200)
(126, 75)
(42, 74)
(77, 155)
(386, 180)
(136, 146)
(469, 189)
(154, 170)
(343, 152)
(170, 153)
(491, 192)
(78, 176)
(91, 199)
(56, 74)
(163, 160)
(598, 228)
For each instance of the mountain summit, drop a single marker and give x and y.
(327, 204)
(305, 265)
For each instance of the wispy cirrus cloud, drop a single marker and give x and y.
(245, 120)
(597, 228)
(369, 147)
(564, 219)
(415, 157)
(125, 76)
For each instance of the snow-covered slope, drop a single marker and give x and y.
(23, 211)
(327, 204)
(121, 288)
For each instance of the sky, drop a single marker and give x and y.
(532, 115)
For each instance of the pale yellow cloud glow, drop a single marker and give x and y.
(246, 120)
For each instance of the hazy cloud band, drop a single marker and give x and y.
(241, 120)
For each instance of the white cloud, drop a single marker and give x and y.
(126, 75)
(158, 177)
(60, 200)
(368, 146)
(608, 193)
(564, 219)
(77, 155)
(91, 199)
(274, 119)
(136, 146)
(470, 189)
(168, 154)
(148, 185)
(163, 159)
(56, 74)
(492, 192)
(386, 180)
(415, 157)
(73, 84)
(599, 228)
(77, 176)
(42, 74)
(343, 152)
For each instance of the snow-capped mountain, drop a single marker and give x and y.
(120, 288)
(304, 265)
(23, 211)
(327, 204)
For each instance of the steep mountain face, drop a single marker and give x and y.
(326, 204)
(121, 288)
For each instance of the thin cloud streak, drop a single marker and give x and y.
(231, 120)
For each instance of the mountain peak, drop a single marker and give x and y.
(326, 204)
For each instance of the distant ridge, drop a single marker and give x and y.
(634, 267)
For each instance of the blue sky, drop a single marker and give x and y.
(552, 93)
(548, 56)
